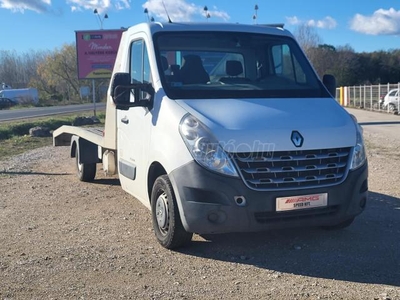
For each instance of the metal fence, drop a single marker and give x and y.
(370, 97)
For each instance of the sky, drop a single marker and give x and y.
(40, 25)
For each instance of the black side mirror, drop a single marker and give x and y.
(330, 84)
(121, 89)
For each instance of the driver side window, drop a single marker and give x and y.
(139, 63)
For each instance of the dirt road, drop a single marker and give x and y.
(63, 239)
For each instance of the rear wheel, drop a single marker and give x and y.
(167, 223)
(86, 172)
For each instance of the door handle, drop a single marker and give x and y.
(125, 120)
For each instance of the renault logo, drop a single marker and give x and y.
(297, 139)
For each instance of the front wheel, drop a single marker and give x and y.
(86, 172)
(392, 107)
(167, 223)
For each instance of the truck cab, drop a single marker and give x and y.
(227, 128)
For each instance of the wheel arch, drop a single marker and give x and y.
(155, 171)
(88, 151)
(73, 146)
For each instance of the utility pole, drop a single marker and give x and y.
(101, 20)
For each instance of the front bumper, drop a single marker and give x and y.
(206, 202)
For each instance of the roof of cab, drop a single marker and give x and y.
(154, 27)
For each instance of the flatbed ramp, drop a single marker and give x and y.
(62, 136)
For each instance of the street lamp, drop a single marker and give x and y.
(101, 20)
(206, 13)
(146, 11)
(255, 14)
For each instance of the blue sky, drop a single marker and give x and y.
(365, 25)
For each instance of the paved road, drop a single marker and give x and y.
(378, 123)
(34, 112)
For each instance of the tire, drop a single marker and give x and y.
(392, 107)
(167, 223)
(339, 226)
(85, 172)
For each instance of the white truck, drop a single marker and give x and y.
(222, 128)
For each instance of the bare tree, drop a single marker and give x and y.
(18, 69)
(307, 37)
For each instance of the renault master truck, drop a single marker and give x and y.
(221, 128)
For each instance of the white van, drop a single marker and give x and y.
(225, 128)
(21, 96)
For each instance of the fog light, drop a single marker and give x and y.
(213, 217)
(216, 217)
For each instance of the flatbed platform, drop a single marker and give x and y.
(62, 136)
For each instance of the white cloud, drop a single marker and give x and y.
(326, 23)
(181, 10)
(42, 6)
(100, 5)
(381, 22)
(293, 20)
(39, 6)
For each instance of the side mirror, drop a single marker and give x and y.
(330, 84)
(121, 89)
(119, 92)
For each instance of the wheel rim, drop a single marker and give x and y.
(79, 167)
(162, 214)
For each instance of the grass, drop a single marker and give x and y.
(15, 139)
(20, 144)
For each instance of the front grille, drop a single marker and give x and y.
(293, 169)
(275, 217)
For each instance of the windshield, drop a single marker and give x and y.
(234, 65)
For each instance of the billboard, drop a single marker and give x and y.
(96, 51)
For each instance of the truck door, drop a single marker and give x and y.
(133, 129)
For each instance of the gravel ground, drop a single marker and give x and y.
(64, 239)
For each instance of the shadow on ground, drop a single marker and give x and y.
(107, 181)
(32, 173)
(368, 251)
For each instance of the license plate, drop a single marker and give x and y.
(301, 202)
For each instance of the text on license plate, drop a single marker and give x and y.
(301, 202)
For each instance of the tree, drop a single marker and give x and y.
(17, 70)
(58, 74)
(307, 37)
(346, 68)
(322, 58)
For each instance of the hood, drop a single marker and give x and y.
(247, 125)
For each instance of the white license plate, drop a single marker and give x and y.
(301, 202)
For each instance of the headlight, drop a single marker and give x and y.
(359, 155)
(204, 148)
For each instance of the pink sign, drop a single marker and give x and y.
(97, 51)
